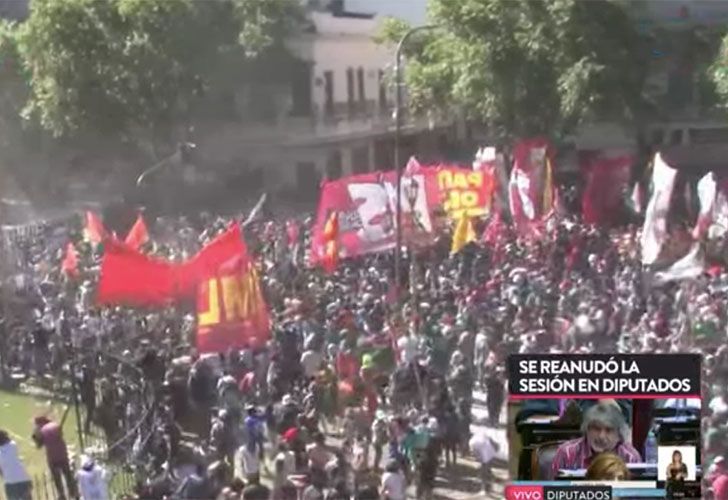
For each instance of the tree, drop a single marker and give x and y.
(528, 67)
(718, 72)
(13, 89)
(135, 67)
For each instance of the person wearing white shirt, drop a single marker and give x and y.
(16, 479)
(485, 450)
(92, 480)
(394, 484)
(287, 461)
(408, 347)
(247, 461)
(311, 361)
(718, 405)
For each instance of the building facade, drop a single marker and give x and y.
(334, 117)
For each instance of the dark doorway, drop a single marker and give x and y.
(334, 166)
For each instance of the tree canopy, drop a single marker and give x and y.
(528, 67)
(719, 73)
(124, 66)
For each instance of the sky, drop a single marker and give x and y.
(412, 11)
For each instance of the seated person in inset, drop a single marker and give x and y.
(604, 430)
(607, 467)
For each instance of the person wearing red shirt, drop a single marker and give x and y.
(347, 365)
(719, 479)
(49, 435)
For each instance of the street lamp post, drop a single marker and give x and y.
(411, 190)
(178, 157)
(397, 131)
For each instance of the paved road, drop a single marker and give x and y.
(463, 482)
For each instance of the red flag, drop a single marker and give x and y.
(138, 235)
(607, 179)
(208, 260)
(94, 231)
(331, 243)
(532, 195)
(69, 265)
(412, 167)
(231, 310)
(293, 232)
(494, 230)
(133, 279)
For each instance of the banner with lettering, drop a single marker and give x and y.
(366, 206)
(460, 191)
(231, 310)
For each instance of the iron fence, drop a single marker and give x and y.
(119, 449)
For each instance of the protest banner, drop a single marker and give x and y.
(131, 278)
(532, 194)
(606, 181)
(366, 205)
(654, 232)
(231, 311)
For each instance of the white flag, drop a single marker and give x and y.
(707, 189)
(689, 267)
(654, 232)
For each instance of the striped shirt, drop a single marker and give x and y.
(577, 454)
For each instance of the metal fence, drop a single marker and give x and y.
(118, 452)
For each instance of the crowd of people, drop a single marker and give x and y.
(363, 390)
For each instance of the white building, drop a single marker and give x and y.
(334, 118)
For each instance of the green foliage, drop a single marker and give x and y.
(120, 66)
(13, 87)
(529, 67)
(719, 72)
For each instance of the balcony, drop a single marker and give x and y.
(323, 125)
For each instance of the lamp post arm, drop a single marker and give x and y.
(152, 169)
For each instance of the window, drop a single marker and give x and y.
(350, 88)
(329, 93)
(676, 137)
(658, 137)
(360, 160)
(360, 84)
(708, 135)
(333, 166)
(301, 90)
(383, 154)
(307, 179)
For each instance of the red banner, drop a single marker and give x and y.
(367, 206)
(207, 261)
(606, 182)
(132, 279)
(231, 311)
(138, 235)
